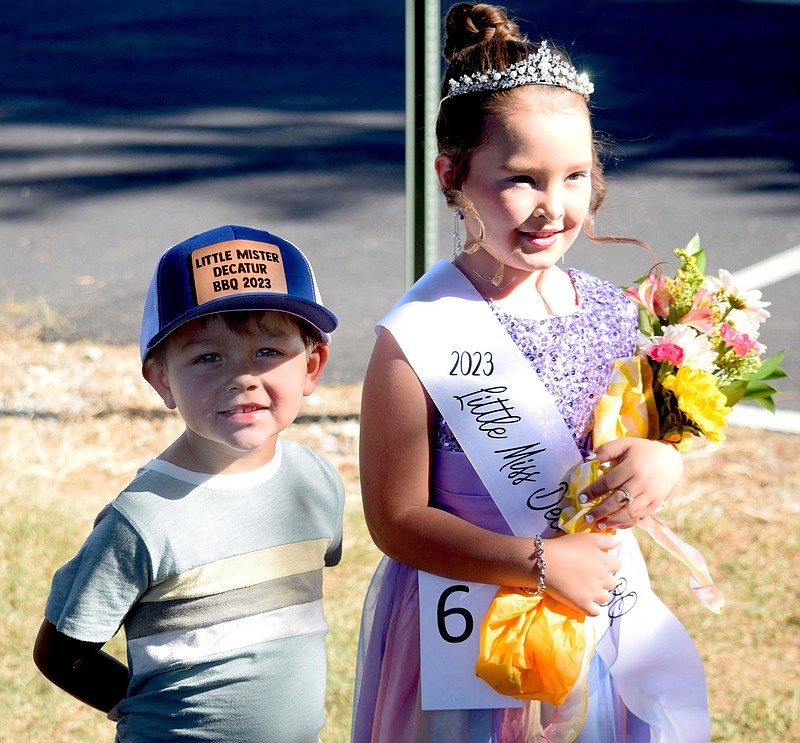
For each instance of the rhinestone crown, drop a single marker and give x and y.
(543, 67)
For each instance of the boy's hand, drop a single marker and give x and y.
(645, 474)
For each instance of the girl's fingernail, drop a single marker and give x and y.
(588, 518)
(583, 498)
(590, 456)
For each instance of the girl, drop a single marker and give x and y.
(493, 399)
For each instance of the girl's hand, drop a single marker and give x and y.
(647, 470)
(580, 571)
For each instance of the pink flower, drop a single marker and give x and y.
(653, 294)
(695, 349)
(666, 352)
(701, 316)
(741, 343)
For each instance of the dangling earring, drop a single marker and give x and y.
(458, 216)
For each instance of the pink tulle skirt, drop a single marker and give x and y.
(387, 706)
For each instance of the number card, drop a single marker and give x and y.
(451, 613)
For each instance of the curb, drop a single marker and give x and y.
(750, 416)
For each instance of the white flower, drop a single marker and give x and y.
(741, 321)
(747, 301)
(698, 353)
(643, 342)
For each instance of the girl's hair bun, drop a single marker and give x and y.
(466, 25)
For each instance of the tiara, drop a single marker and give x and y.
(542, 67)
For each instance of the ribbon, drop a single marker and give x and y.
(627, 409)
(532, 647)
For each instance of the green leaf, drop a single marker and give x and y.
(645, 322)
(758, 389)
(734, 392)
(767, 403)
(693, 246)
(701, 261)
(769, 369)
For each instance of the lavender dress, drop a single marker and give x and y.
(573, 356)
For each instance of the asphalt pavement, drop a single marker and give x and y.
(125, 128)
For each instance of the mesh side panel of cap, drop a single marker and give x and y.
(150, 323)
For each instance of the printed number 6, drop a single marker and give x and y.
(442, 614)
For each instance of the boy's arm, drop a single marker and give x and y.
(80, 668)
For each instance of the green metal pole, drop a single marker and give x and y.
(422, 194)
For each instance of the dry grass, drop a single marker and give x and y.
(77, 420)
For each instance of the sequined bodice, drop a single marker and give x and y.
(572, 354)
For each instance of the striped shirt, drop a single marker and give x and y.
(218, 581)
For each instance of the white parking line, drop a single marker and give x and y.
(770, 271)
(751, 416)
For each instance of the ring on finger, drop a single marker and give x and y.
(628, 497)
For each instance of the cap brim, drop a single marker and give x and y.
(321, 319)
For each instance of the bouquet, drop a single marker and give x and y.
(699, 335)
(698, 354)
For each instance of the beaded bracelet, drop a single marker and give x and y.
(538, 562)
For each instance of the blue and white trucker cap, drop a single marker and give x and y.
(230, 268)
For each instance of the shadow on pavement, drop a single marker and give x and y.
(674, 80)
(126, 125)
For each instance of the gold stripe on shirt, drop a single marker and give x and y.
(240, 571)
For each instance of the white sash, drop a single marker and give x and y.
(515, 438)
(498, 409)
(518, 443)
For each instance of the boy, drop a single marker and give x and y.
(212, 557)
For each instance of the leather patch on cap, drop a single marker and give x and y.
(237, 267)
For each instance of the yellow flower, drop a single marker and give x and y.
(681, 440)
(699, 397)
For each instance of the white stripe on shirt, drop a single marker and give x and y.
(149, 654)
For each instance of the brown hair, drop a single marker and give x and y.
(242, 322)
(479, 38)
